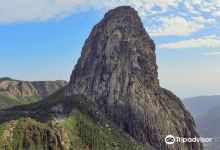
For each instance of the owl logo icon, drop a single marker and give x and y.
(169, 139)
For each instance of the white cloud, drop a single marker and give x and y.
(212, 41)
(202, 20)
(197, 1)
(200, 14)
(216, 13)
(38, 10)
(209, 6)
(179, 23)
(145, 8)
(176, 26)
(190, 7)
(212, 53)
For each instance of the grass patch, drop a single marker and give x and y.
(30, 99)
(85, 134)
(7, 100)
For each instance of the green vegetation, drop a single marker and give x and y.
(30, 99)
(83, 128)
(5, 78)
(7, 100)
(84, 134)
(2, 128)
(28, 134)
(70, 124)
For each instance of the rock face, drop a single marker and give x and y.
(25, 88)
(29, 134)
(117, 70)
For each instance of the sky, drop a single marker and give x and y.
(42, 39)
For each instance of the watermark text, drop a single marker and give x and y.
(170, 139)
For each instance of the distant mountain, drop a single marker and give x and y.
(15, 92)
(208, 125)
(201, 104)
(206, 111)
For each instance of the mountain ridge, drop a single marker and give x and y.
(201, 104)
(15, 92)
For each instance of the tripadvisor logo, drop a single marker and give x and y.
(170, 139)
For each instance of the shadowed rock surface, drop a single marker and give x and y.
(117, 71)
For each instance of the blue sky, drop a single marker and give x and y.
(42, 39)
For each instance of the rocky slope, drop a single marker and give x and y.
(15, 92)
(117, 71)
(62, 123)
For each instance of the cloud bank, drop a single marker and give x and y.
(211, 41)
(168, 18)
(38, 10)
(163, 18)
